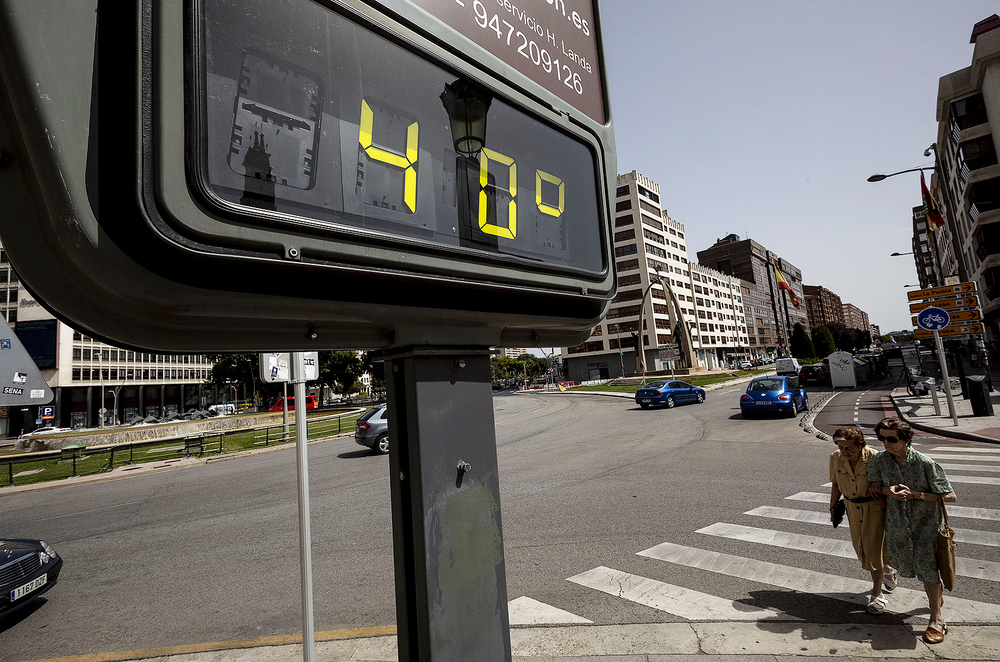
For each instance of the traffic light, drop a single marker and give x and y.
(304, 174)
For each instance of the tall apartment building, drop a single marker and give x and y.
(770, 312)
(512, 352)
(967, 174)
(823, 307)
(87, 375)
(855, 318)
(924, 258)
(647, 241)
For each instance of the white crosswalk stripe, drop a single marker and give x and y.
(977, 480)
(991, 514)
(905, 601)
(968, 467)
(959, 449)
(965, 458)
(683, 602)
(528, 611)
(964, 567)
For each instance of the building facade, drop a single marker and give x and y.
(770, 311)
(648, 246)
(967, 175)
(855, 318)
(925, 250)
(823, 307)
(87, 375)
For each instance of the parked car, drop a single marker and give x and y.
(817, 373)
(746, 365)
(773, 394)
(668, 393)
(372, 430)
(28, 568)
(787, 366)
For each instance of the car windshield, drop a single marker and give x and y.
(767, 385)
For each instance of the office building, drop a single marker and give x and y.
(648, 245)
(87, 375)
(823, 307)
(771, 312)
(967, 176)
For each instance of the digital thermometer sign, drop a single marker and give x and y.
(262, 175)
(310, 115)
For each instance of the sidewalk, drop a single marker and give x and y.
(918, 411)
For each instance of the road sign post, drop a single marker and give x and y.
(934, 319)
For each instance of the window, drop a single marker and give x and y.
(621, 251)
(76, 353)
(625, 235)
(86, 375)
(623, 205)
(86, 355)
(627, 265)
(649, 194)
(622, 190)
(76, 374)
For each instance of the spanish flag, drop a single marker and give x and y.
(783, 285)
(933, 212)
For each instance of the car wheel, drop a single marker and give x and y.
(669, 402)
(382, 444)
(794, 409)
(644, 405)
(699, 398)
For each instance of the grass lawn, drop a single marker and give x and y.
(97, 460)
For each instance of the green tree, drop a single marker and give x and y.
(340, 370)
(534, 366)
(377, 371)
(240, 370)
(823, 341)
(801, 345)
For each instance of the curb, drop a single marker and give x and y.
(944, 432)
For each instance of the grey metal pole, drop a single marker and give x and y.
(305, 536)
(947, 381)
(284, 410)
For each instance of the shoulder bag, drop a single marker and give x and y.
(945, 547)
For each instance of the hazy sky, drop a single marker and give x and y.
(765, 118)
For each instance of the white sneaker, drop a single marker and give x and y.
(877, 605)
(890, 581)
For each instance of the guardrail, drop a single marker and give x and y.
(78, 459)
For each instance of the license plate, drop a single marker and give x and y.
(646, 400)
(22, 591)
(762, 402)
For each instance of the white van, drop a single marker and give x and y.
(787, 366)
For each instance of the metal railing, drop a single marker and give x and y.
(83, 460)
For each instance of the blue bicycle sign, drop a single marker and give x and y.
(933, 318)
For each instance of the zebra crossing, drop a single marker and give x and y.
(976, 547)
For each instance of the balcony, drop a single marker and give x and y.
(984, 197)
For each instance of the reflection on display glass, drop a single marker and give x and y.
(310, 114)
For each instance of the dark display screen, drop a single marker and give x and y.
(338, 130)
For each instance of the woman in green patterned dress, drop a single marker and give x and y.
(911, 481)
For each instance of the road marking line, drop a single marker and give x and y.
(121, 656)
(968, 467)
(677, 600)
(965, 458)
(905, 601)
(988, 570)
(977, 480)
(528, 611)
(956, 449)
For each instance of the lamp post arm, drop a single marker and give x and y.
(878, 178)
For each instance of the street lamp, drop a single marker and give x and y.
(878, 178)
(899, 254)
(114, 415)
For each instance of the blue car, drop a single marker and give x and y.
(782, 395)
(668, 393)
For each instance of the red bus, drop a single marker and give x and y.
(311, 403)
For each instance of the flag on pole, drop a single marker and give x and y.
(783, 285)
(933, 212)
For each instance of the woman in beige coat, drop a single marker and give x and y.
(866, 514)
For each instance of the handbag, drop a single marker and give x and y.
(946, 547)
(838, 513)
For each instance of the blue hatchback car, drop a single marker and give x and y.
(773, 394)
(668, 393)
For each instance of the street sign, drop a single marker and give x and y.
(961, 289)
(310, 175)
(46, 412)
(275, 366)
(948, 304)
(21, 383)
(959, 316)
(961, 330)
(933, 318)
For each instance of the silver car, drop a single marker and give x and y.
(372, 429)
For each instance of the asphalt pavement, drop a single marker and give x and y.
(725, 641)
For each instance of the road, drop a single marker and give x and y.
(610, 513)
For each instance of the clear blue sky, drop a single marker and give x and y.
(764, 118)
